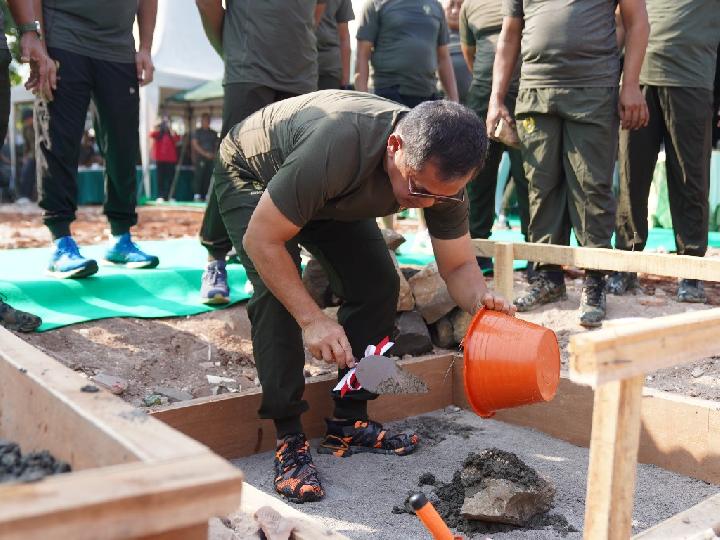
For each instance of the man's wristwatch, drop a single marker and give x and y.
(33, 26)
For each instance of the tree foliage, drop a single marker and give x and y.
(13, 43)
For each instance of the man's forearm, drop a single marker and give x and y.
(636, 39)
(362, 66)
(506, 56)
(466, 286)
(212, 16)
(447, 75)
(278, 272)
(345, 52)
(24, 11)
(146, 15)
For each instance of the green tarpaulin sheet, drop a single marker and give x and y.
(170, 290)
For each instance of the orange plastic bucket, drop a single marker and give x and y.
(509, 362)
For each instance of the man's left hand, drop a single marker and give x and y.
(145, 67)
(633, 107)
(43, 70)
(496, 303)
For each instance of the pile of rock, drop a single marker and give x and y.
(427, 315)
(31, 467)
(494, 491)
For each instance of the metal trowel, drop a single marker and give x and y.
(381, 375)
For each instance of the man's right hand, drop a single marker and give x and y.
(327, 341)
(496, 111)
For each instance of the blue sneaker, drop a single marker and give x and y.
(126, 252)
(214, 288)
(66, 261)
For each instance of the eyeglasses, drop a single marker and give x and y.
(413, 190)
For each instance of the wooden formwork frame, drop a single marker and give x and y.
(631, 423)
(133, 476)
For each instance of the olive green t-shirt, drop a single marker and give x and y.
(682, 48)
(567, 43)
(271, 43)
(320, 156)
(480, 25)
(328, 42)
(101, 29)
(405, 35)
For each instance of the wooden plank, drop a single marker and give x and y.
(42, 406)
(663, 264)
(701, 522)
(122, 501)
(690, 447)
(613, 460)
(643, 346)
(229, 425)
(193, 532)
(306, 527)
(503, 269)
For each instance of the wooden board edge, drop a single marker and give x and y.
(702, 521)
(137, 435)
(690, 447)
(229, 424)
(122, 501)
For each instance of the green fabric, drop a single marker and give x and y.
(567, 43)
(271, 43)
(91, 185)
(3, 38)
(101, 29)
(405, 35)
(569, 139)
(683, 43)
(203, 92)
(320, 157)
(328, 42)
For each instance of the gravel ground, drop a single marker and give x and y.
(363, 489)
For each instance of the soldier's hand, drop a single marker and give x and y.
(43, 70)
(327, 341)
(633, 107)
(496, 111)
(497, 303)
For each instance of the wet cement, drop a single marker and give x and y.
(30, 467)
(363, 489)
(402, 383)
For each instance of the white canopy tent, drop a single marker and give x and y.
(183, 58)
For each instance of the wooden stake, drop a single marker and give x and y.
(504, 269)
(613, 460)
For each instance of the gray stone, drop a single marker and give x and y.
(220, 389)
(152, 399)
(432, 298)
(460, 321)
(413, 336)
(698, 372)
(317, 283)
(173, 394)
(217, 530)
(504, 501)
(406, 301)
(441, 333)
(113, 383)
(393, 239)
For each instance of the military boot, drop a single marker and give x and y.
(593, 301)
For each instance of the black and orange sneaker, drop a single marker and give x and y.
(296, 478)
(344, 438)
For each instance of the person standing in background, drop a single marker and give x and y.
(165, 155)
(567, 118)
(480, 25)
(677, 80)
(270, 53)
(406, 41)
(92, 42)
(463, 75)
(333, 45)
(42, 80)
(204, 146)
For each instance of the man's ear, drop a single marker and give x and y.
(394, 143)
